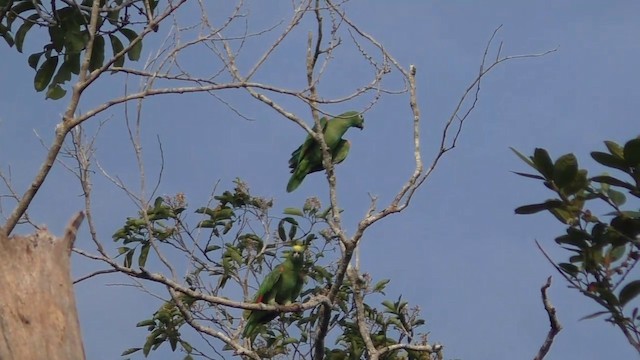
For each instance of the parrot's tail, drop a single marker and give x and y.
(248, 330)
(294, 182)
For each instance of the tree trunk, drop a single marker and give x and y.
(38, 317)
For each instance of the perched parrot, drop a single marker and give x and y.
(282, 286)
(308, 157)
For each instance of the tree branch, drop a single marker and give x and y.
(554, 323)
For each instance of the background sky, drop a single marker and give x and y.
(458, 252)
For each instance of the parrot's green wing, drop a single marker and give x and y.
(306, 146)
(266, 294)
(308, 157)
(338, 155)
(341, 151)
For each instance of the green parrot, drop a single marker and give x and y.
(308, 157)
(282, 286)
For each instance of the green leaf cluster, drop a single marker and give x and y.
(391, 324)
(137, 233)
(164, 327)
(603, 252)
(68, 37)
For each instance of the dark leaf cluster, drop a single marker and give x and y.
(68, 35)
(603, 249)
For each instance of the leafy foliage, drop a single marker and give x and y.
(233, 246)
(603, 253)
(69, 36)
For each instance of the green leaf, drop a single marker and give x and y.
(379, 287)
(147, 345)
(63, 75)
(543, 163)
(45, 73)
(579, 183)
(97, 55)
(614, 148)
(18, 9)
(594, 315)
(632, 152)
(55, 92)
(145, 323)
(4, 32)
(524, 158)
(116, 47)
(293, 211)
(144, 252)
(212, 248)
(123, 249)
(23, 29)
(575, 237)
(612, 181)
(157, 203)
(75, 41)
(153, 4)
(290, 340)
(309, 239)
(534, 208)
(322, 272)
(629, 292)
(34, 59)
(565, 170)
(630, 227)
(74, 62)
(136, 50)
(616, 197)
(130, 351)
(282, 234)
(281, 230)
(389, 305)
(570, 269)
(205, 210)
(128, 259)
(57, 34)
(113, 16)
(609, 297)
(206, 224)
(234, 254)
(563, 215)
(532, 176)
(616, 253)
(610, 161)
(186, 346)
(292, 232)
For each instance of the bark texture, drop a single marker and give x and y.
(38, 316)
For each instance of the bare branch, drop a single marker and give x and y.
(186, 313)
(554, 323)
(95, 273)
(358, 302)
(161, 279)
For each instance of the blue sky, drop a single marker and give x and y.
(458, 252)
